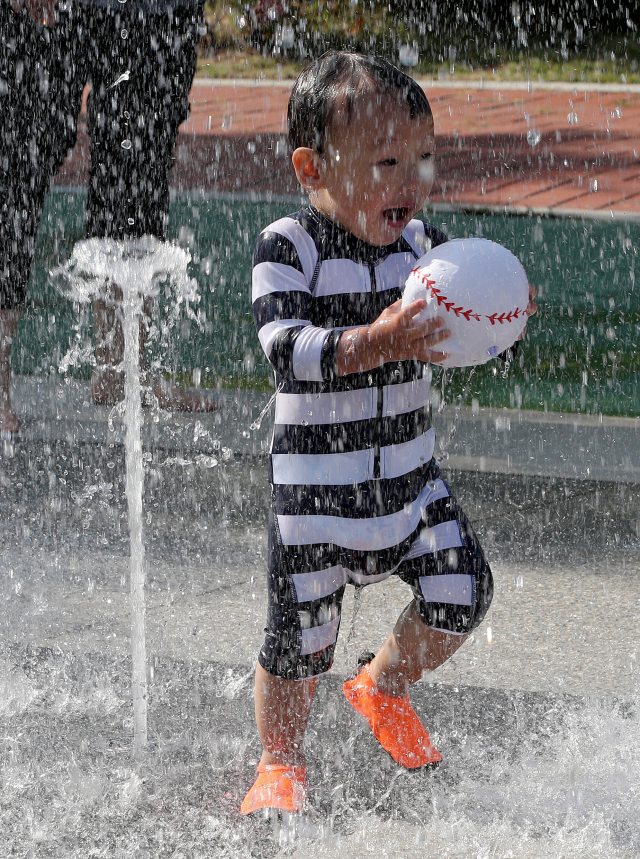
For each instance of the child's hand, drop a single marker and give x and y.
(532, 307)
(398, 337)
(394, 336)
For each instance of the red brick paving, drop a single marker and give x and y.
(583, 151)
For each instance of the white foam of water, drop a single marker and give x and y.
(234, 682)
(135, 265)
(16, 691)
(447, 839)
(66, 789)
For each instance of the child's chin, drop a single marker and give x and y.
(391, 229)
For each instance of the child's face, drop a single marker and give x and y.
(377, 171)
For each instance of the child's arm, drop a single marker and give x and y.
(299, 350)
(392, 337)
(283, 265)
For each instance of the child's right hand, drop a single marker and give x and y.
(398, 336)
(394, 336)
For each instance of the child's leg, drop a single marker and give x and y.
(452, 587)
(282, 712)
(380, 691)
(412, 647)
(8, 324)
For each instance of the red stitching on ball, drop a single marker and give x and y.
(460, 311)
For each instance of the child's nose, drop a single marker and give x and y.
(411, 178)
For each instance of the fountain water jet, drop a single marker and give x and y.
(136, 267)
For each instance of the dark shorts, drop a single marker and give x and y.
(132, 125)
(445, 568)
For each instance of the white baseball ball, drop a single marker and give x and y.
(481, 291)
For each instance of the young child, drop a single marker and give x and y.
(356, 494)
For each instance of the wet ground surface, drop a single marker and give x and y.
(536, 716)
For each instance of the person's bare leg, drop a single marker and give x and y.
(107, 381)
(282, 713)
(8, 324)
(411, 649)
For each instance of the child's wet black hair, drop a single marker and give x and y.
(344, 75)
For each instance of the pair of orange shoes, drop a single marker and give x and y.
(394, 724)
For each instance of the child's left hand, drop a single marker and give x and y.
(532, 307)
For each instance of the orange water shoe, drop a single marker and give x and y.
(393, 721)
(277, 787)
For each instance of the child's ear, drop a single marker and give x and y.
(308, 166)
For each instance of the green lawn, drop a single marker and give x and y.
(579, 355)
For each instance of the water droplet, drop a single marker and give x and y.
(533, 137)
(123, 77)
(489, 635)
(617, 113)
(130, 221)
(8, 446)
(126, 144)
(572, 118)
(186, 236)
(227, 120)
(593, 185)
(408, 55)
(123, 34)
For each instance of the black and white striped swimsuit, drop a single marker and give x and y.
(356, 494)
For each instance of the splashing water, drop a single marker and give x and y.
(445, 443)
(258, 421)
(136, 267)
(121, 79)
(533, 137)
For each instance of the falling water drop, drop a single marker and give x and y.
(408, 55)
(8, 446)
(123, 77)
(533, 137)
(572, 118)
(126, 144)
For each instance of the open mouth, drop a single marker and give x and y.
(396, 215)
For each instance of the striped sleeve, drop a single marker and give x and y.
(283, 308)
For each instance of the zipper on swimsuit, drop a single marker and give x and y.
(376, 446)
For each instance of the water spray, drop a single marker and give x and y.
(136, 267)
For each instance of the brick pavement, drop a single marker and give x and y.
(562, 149)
